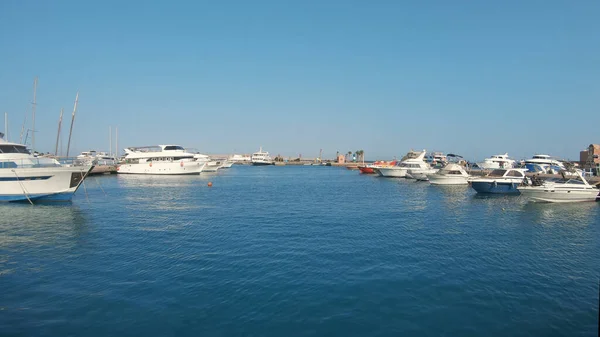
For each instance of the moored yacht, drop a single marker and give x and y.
(261, 158)
(100, 158)
(399, 171)
(568, 189)
(544, 163)
(498, 161)
(499, 181)
(451, 174)
(161, 159)
(24, 177)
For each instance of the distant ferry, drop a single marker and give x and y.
(161, 159)
(261, 158)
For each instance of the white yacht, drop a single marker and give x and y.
(544, 163)
(101, 158)
(24, 177)
(261, 158)
(212, 165)
(161, 159)
(451, 174)
(238, 158)
(571, 189)
(498, 161)
(399, 171)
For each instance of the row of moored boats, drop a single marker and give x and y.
(28, 177)
(504, 177)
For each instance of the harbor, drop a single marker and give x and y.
(299, 169)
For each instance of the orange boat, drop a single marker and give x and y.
(372, 169)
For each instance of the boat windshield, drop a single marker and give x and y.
(497, 173)
(174, 147)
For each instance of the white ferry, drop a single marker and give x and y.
(161, 160)
(261, 158)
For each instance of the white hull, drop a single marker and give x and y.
(493, 165)
(440, 179)
(227, 164)
(541, 194)
(43, 183)
(420, 175)
(162, 168)
(212, 166)
(392, 172)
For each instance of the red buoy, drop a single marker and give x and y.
(209, 184)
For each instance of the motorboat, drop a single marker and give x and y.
(573, 188)
(372, 168)
(499, 181)
(227, 164)
(25, 177)
(261, 158)
(161, 160)
(498, 161)
(399, 170)
(238, 158)
(451, 174)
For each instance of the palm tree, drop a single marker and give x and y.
(360, 155)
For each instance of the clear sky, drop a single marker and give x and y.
(469, 77)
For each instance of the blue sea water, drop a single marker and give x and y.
(296, 251)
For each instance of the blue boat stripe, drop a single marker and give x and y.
(25, 178)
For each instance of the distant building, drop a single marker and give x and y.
(341, 159)
(590, 159)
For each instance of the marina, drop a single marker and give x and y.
(299, 169)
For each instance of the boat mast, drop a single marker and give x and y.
(110, 141)
(6, 126)
(33, 106)
(58, 133)
(117, 142)
(72, 121)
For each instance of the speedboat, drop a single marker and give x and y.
(499, 181)
(372, 168)
(566, 189)
(399, 171)
(261, 158)
(24, 177)
(498, 161)
(451, 174)
(161, 159)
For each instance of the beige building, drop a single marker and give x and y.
(590, 159)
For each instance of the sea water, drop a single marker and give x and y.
(296, 251)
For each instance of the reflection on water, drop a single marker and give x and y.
(40, 224)
(572, 214)
(138, 180)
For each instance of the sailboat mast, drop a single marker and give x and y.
(33, 106)
(110, 140)
(58, 133)
(117, 142)
(6, 126)
(72, 121)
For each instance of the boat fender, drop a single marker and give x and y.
(495, 184)
(150, 164)
(181, 164)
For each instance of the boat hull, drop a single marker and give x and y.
(366, 170)
(162, 168)
(41, 184)
(392, 172)
(256, 163)
(438, 179)
(540, 194)
(494, 187)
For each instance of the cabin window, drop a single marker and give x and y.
(453, 172)
(173, 147)
(515, 174)
(497, 173)
(13, 149)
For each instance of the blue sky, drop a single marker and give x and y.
(469, 77)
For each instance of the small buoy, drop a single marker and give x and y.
(209, 184)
